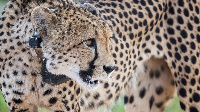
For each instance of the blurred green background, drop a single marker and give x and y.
(174, 106)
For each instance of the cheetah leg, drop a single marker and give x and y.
(22, 107)
(152, 89)
(19, 99)
(187, 80)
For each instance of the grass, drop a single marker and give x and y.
(174, 106)
(3, 106)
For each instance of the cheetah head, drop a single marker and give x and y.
(75, 43)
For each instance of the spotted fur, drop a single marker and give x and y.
(155, 46)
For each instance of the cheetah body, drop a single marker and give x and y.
(155, 47)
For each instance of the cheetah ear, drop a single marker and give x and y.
(91, 8)
(43, 19)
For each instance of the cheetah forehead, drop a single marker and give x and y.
(79, 23)
(75, 24)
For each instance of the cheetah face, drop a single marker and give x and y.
(75, 44)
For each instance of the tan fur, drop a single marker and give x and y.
(155, 45)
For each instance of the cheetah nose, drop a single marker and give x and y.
(108, 69)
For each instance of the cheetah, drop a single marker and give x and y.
(144, 50)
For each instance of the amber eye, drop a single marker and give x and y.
(90, 43)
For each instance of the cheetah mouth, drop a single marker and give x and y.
(86, 77)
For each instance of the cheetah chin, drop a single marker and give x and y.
(84, 78)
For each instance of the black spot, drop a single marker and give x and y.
(136, 26)
(196, 97)
(159, 90)
(190, 27)
(182, 105)
(4, 41)
(15, 73)
(181, 3)
(147, 50)
(186, 58)
(17, 101)
(162, 68)
(180, 20)
(157, 74)
(120, 15)
(59, 111)
(91, 104)
(19, 43)
(131, 36)
(118, 77)
(18, 92)
(171, 10)
(142, 2)
(196, 71)
(183, 81)
(187, 69)
(19, 82)
(140, 15)
(53, 100)
(6, 51)
(159, 104)
(78, 91)
(151, 101)
(130, 20)
(196, 20)
(142, 92)
(170, 21)
(110, 96)
(159, 47)
(158, 38)
(113, 4)
(131, 99)
(32, 88)
(193, 109)
(72, 97)
(170, 30)
(182, 92)
(183, 48)
(147, 37)
(96, 96)
(178, 56)
(127, 5)
(172, 40)
(106, 85)
(193, 59)
(47, 92)
(198, 38)
(136, 1)
(1, 26)
(174, 65)
(64, 88)
(67, 107)
(59, 57)
(184, 34)
(193, 81)
(151, 74)
(24, 72)
(100, 103)
(71, 83)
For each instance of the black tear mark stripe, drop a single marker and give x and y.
(91, 65)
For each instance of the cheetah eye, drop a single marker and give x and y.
(90, 43)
